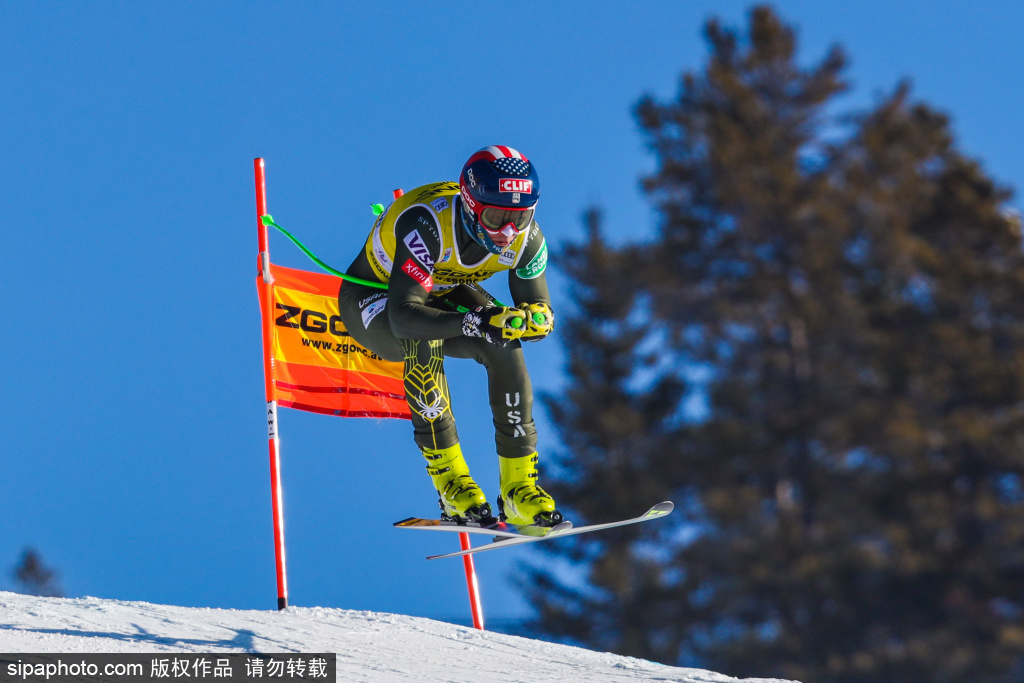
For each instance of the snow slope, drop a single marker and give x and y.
(371, 646)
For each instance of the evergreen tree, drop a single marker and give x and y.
(852, 507)
(34, 577)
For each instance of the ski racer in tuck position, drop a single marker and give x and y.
(433, 246)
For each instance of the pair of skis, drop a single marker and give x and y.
(507, 535)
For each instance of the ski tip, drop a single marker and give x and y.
(662, 508)
(498, 541)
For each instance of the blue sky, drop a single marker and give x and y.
(135, 454)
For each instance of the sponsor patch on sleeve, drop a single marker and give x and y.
(439, 204)
(537, 264)
(371, 311)
(419, 249)
(414, 271)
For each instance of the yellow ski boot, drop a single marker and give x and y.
(461, 500)
(521, 500)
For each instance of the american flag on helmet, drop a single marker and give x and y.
(505, 159)
(495, 152)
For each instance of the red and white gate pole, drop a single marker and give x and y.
(267, 297)
(471, 584)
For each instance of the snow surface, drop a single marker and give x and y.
(371, 646)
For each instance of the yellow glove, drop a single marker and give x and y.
(540, 320)
(499, 325)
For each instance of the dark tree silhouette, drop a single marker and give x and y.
(820, 358)
(33, 577)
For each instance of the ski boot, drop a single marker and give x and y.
(460, 499)
(521, 500)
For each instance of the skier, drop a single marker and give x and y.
(433, 246)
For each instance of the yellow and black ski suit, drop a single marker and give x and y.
(421, 249)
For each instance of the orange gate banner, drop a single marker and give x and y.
(317, 365)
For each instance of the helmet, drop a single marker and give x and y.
(499, 188)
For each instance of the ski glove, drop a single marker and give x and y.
(540, 320)
(498, 325)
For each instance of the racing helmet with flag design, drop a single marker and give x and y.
(499, 188)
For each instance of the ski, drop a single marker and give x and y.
(498, 529)
(509, 539)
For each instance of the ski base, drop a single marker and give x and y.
(497, 530)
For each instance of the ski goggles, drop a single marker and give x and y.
(496, 219)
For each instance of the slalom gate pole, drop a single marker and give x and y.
(472, 585)
(266, 285)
